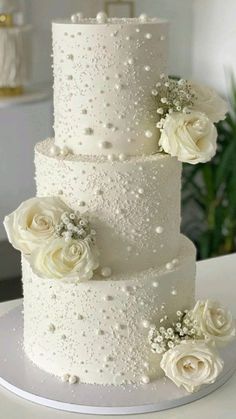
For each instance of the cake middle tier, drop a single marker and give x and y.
(134, 205)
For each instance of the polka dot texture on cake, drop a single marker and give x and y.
(104, 72)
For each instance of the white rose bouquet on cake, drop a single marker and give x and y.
(33, 222)
(188, 346)
(187, 113)
(57, 242)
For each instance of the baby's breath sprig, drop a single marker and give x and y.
(73, 226)
(172, 95)
(166, 337)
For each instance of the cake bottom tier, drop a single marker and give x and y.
(97, 330)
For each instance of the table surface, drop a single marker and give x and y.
(216, 278)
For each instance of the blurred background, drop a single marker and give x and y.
(202, 46)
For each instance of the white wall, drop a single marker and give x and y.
(40, 14)
(179, 13)
(214, 41)
(21, 128)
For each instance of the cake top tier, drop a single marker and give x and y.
(104, 73)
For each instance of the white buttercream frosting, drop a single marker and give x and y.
(100, 327)
(134, 205)
(103, 78)
(104, 162)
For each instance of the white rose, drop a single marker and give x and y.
(33, 222)
(189, 137)
(214, 321)
(209, 102)
(73, 260)
(191, 364)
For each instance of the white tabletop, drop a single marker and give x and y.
(216, 278)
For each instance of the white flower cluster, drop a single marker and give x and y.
(189, 345)
(58, 242)
(187, 113)
(172, 96)
(73, 226)
(164, 338)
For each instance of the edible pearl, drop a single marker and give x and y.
(169, 266)
(88, 131)
(73, 379)
(81, 203)
(146, 324)
(104, 144)
(174, 292)
(101, 17)
(121, 157)
(145, 379)
(130, 61)
(140, 191)
(143, 17)
(54, 150)
(155, 284)
(65, 378)
(51, 328)
(110, 157)
(108, 125)
(64, 151)
(148, 36)
(107, 298)
(175, 261)
(147, 68)
(80, 16)
(73, 18)
(148, 134)
(106, 272)
(159, 230)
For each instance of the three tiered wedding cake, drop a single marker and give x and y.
(104, 263)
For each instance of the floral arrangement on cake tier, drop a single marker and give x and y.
(187, 114)
(57, 242)
(189, 345)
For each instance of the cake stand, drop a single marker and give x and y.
(19, 375)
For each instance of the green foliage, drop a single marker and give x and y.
(209, 193)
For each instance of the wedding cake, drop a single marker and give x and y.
(104, 262)
(14, 50)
